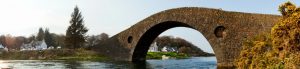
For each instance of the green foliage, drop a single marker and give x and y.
(153, 55)
(75, 35)
(49, 39)
(182, 46)
(59, 40)
(53, 54)
(40, 35)
(278, 50)
(286, 33)
(257, 53)
(96, 40)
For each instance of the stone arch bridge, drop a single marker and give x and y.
(224, 30)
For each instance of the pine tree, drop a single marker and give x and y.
(49, 39)
(76, 32)
(40, 35)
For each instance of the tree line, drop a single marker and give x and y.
(51, 39)
(75, 36)
(181, 45)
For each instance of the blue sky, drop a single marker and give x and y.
(24, 17)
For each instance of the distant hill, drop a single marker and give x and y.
(181, 45)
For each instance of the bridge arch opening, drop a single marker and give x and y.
(141, 49)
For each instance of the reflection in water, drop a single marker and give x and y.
(140, 65)
(127, 65)
(72, 64)
(3, 66)
(191, 63)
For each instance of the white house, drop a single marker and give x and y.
(168, 49)
(41, 45)
(51, 47)
(2, 49)
(24, 47)
(27, 47)
(153, 47)
(58, 47)
(1, 46)
(164, 49)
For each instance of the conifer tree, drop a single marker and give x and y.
(49, 39)
(76, 32)
(40, 35)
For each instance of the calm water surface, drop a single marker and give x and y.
(191, 63)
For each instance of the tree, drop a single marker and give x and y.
(181, 45)
(164, 41)
(75, 34)
(59, 40)
(19, 41)
(2, 39)
(91, 41)
(40, 35)
(49, 40)
(103, 37)
(30, 39)
(95, 40)
(9, 42)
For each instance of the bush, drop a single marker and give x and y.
(278, 50)
(158, 55)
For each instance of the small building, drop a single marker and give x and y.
(153, 47)
(164, 49)
(1, 46)
(41, 45)
(58, 47)
(51, 47)
(169, 49)
(2, 49)
(27, 47)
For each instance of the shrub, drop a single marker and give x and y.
(278, 50)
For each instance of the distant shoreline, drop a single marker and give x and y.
(161, 55)
(53, 54)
